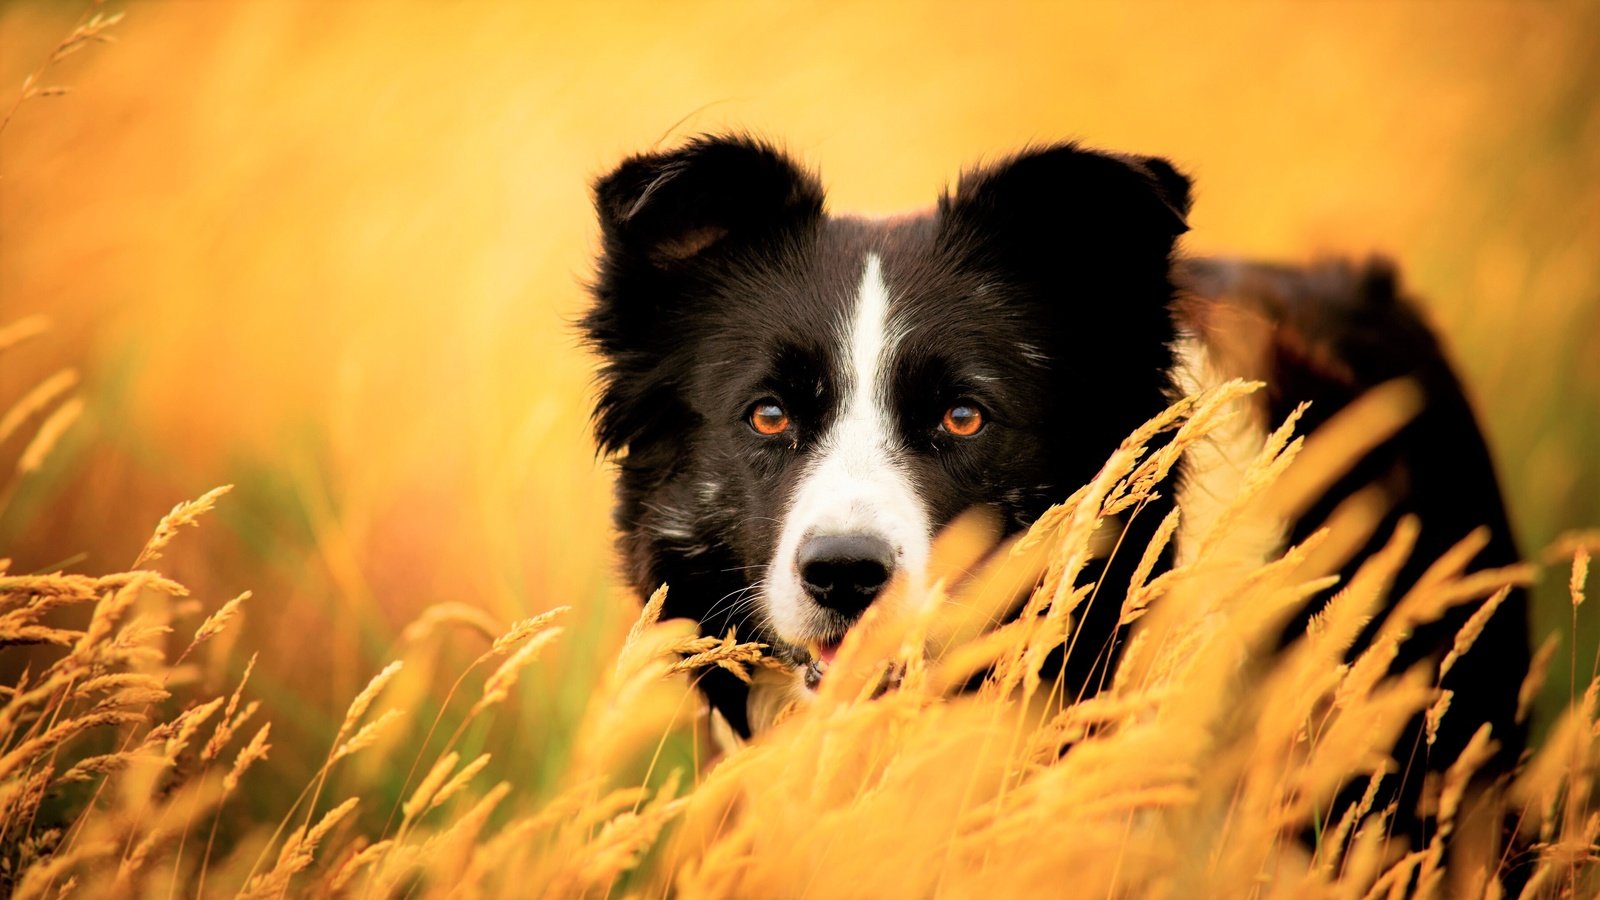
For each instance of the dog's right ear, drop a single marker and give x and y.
(665, 221)
(669, 208)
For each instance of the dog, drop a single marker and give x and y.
(797, 401)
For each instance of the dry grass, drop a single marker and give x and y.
(1196, 772)
(323, 252)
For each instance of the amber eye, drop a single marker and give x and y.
(962, 420)
(767, 417)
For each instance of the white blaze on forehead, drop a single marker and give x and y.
(869, 338)
(855, 481)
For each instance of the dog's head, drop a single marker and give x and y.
(798, 401)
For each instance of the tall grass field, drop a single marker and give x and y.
(306, 576)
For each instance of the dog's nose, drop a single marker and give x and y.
(845, 572)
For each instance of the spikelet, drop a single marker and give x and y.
(1336, 840)
(363, 700)
(92, 30)
(20, 797)
(167, 821)
(113, 682)
(63, 731)
(35, 401)
(353, 866)
(91, 767)
(1140, 591)
(366, 736)
(1470, 631)
(648, 617)
(252, 753)
(217, 621)
(22, 329)
(1435, 715)
(441, 615)
(422, 797)
(18, 635)
(42, 875)
(1580, 574)
(623, 839)
(187, 513)
(175, 736)
(1575, 848)
(459, 781)
(499, 684)
(726, 654)
(298, 852)
(229, 724)
(1552, 770)
(526, 629)
(450, 852)
(48, 435)
(106, 615)
(1533, 682)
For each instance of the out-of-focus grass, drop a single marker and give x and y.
(331, 253)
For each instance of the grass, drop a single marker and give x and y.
(327, 255)
(1197, 770)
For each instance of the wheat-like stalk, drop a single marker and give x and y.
(1195, 770)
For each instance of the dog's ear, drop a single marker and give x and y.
(667, 220)
(668, 208)
(1054, 199)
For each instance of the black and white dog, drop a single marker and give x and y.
(798, 401)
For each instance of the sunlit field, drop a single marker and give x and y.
(331, 254)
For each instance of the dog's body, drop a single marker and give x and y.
(799, 401)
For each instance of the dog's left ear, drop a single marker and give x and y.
(1060, 198)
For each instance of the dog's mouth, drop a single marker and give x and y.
(824, 651)
(822, 654)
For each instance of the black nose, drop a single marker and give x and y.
(844, 572)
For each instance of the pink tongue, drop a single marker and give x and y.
(826, 652)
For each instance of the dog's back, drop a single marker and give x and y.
(1324, 334)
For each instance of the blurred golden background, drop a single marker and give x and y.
(331, 253)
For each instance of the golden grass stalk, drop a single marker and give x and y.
(36, 400)
(527, 629)
(725, 653)
(1580, 574)
(648, 617)
(229, 723)
(1193, 773)
(499, 684)
(22, 329)
(49, 434)
(253, 752)
(217, 622)
(353, 866)
(30, 750)
(186, 513)
(459, 781)
(422, 797)
(297, 854)
(1533, 681)
(363, 701)
(1470, 631)
(441, 615)
(367, 735)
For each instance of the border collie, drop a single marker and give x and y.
(797, 401)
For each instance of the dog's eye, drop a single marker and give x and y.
(767, 417)
(962, 420)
